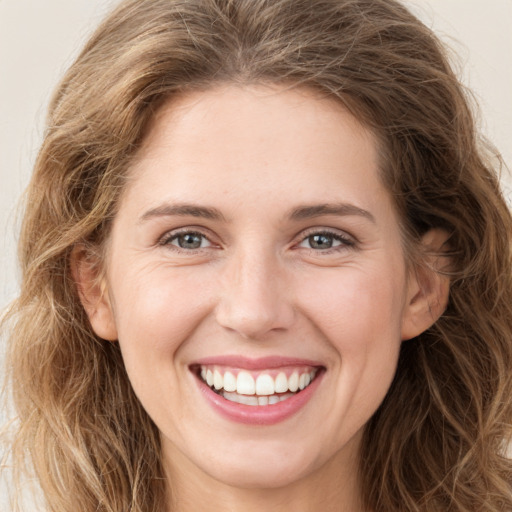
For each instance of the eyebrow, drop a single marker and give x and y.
(183, 210)
(308, 212)
(299, 213)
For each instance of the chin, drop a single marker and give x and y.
(260, 472)
(258, 463)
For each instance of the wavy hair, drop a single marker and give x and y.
(437, 442)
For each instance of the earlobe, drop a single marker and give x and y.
(93, 293)
(428, 287)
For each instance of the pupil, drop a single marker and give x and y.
(190, 241)
(320, 241)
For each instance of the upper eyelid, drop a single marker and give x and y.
(338, 243)
(173, 233)
(192, 228)
(341, 233)
(299, 237)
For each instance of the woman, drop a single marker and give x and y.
(266, 266)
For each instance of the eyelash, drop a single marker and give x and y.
(168, 238)
(345, 242)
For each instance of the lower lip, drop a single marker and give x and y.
(259, 414)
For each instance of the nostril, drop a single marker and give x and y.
(255, 320)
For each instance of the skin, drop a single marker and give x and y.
(256, 287)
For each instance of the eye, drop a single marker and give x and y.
(188, 240)
(326, 240)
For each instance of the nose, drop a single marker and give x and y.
(255, 298)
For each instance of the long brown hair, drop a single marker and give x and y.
(437, 443)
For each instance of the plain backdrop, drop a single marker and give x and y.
(39, 39)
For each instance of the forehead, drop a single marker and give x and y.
(259, 112)
(234, 147)
(253, 135)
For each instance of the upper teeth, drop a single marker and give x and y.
(244, 383)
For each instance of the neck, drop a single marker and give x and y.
(334, 487)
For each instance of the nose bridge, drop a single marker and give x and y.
(254, 297)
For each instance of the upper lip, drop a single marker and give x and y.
(260, 363)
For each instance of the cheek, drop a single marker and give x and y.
(360, 319)
(157, 308)
(356, 310)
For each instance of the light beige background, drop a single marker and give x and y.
(39, 38)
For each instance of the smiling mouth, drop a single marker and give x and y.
(265, 387)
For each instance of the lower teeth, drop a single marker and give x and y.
(253, 399)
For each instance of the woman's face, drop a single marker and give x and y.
(256, 249)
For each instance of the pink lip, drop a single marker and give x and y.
(262, 363)
(258, 414)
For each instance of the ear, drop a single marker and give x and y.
(92, 290)
(428, 287)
